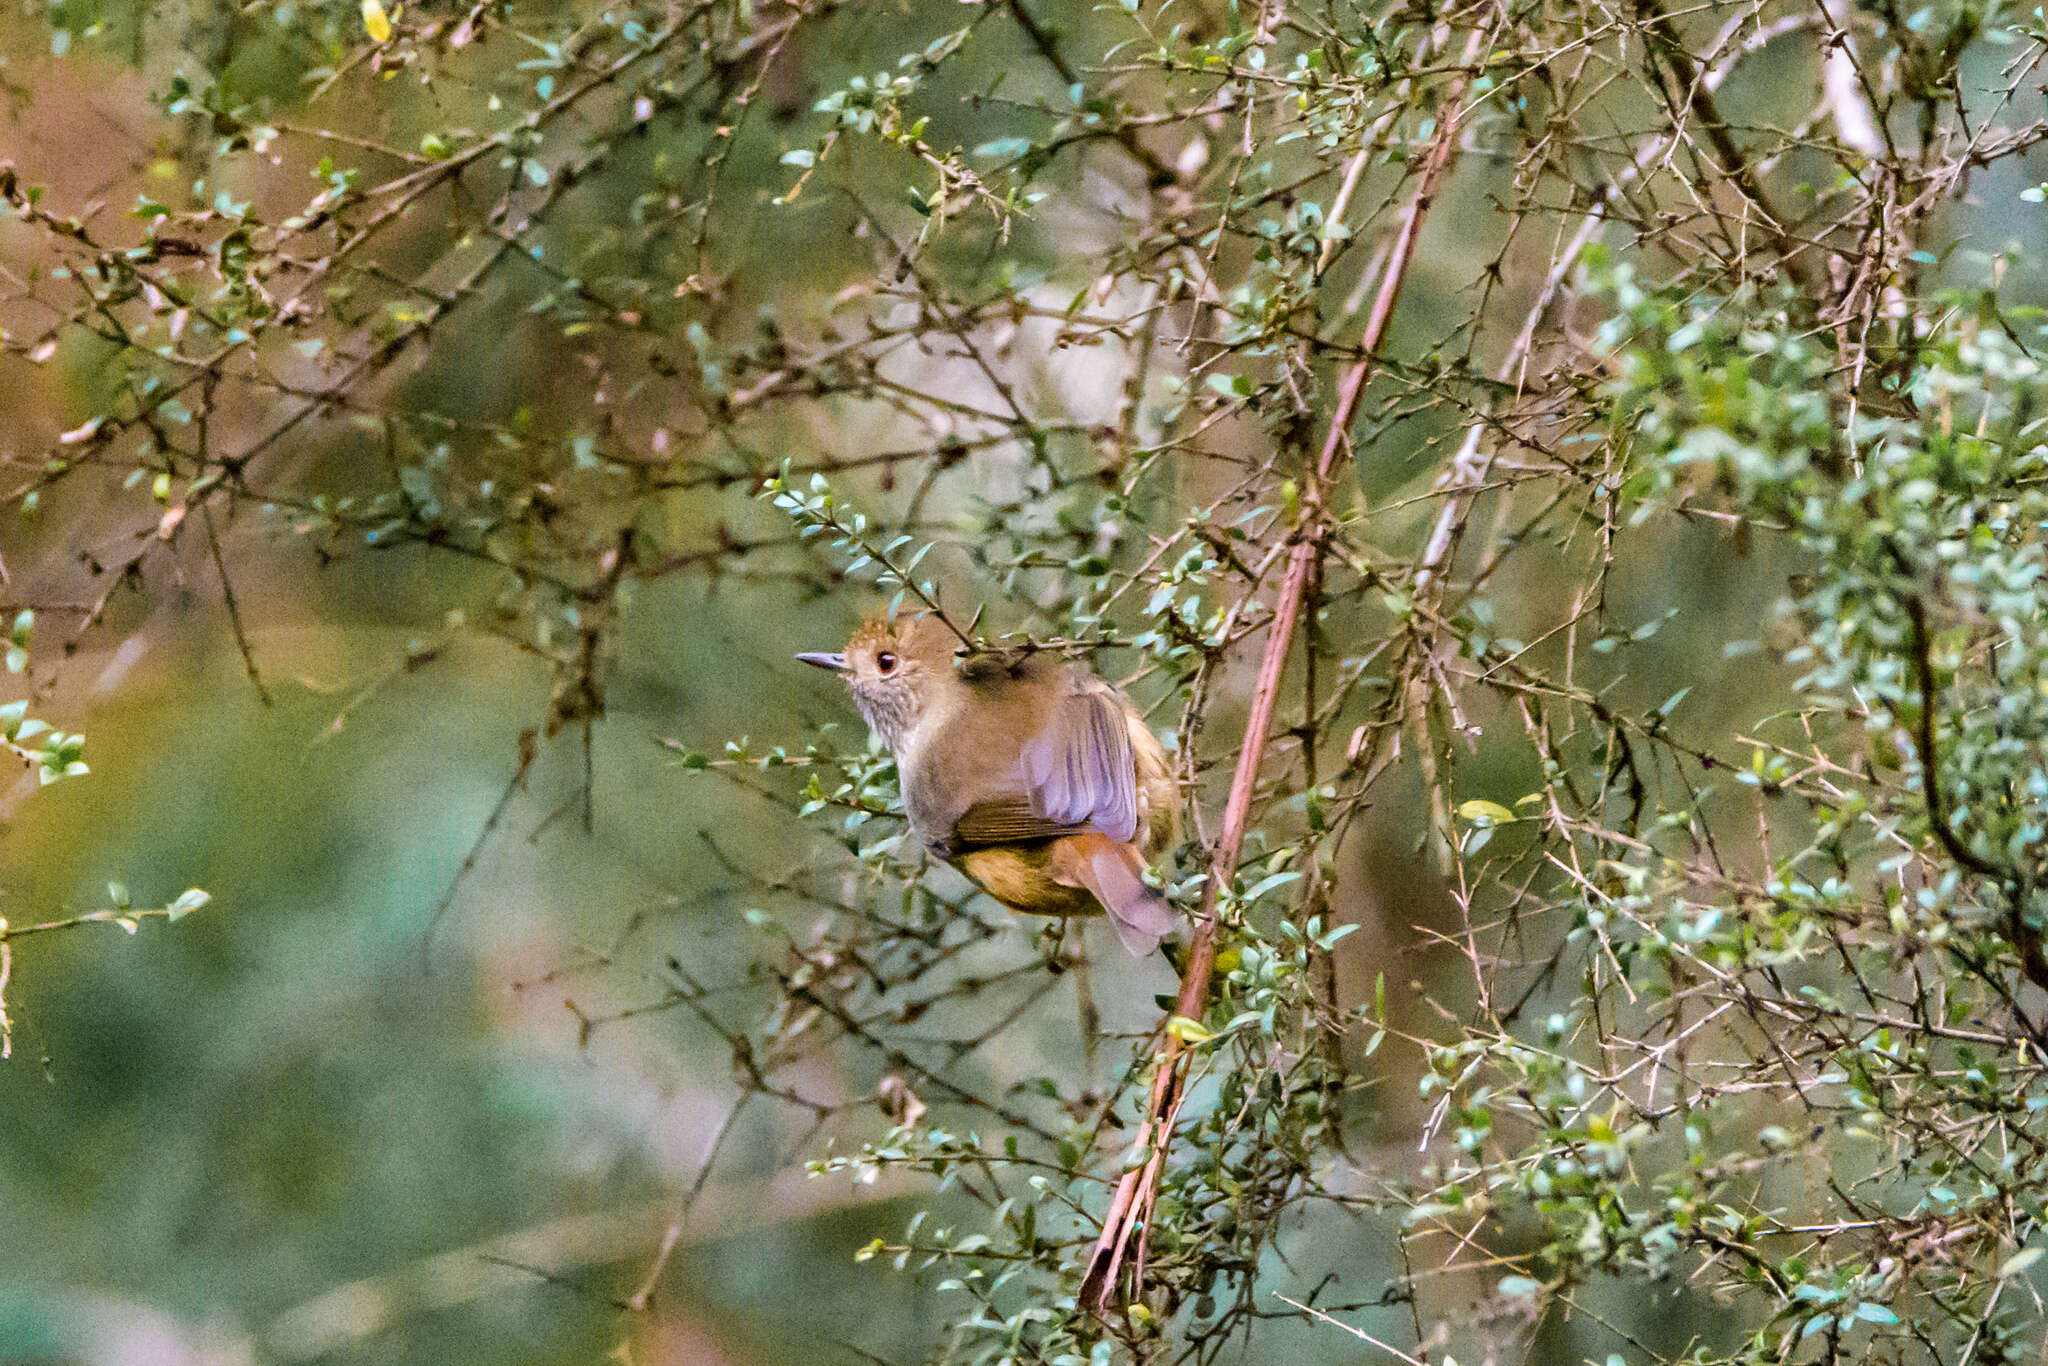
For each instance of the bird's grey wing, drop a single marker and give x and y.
(1078, 769)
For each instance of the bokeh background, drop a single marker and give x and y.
(324, 1120)
(407, 1090)
(352, 1111)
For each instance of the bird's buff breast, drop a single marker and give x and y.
(1020, 876)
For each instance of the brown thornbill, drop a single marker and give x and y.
(1023, 770)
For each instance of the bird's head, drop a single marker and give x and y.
(894, 667)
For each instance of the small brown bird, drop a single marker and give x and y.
(1026, 772)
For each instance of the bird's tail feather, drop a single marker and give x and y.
(1113, 873)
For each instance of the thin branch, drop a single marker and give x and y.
(1131, 1206)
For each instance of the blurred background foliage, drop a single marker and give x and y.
(432, 428)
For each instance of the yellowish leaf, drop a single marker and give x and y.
(376, 22)
(2018, 1262)
(1489, 813)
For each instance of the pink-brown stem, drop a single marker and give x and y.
(1131, 1203)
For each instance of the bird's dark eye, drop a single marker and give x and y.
(886, 662)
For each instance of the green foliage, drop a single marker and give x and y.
(1669, 699)
(1899, 914)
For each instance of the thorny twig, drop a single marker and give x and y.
(1131, 1205)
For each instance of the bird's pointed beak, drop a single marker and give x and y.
(836, 663)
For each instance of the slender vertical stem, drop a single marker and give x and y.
(1133, 1197)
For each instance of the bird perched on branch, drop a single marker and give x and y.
(1023, 770)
